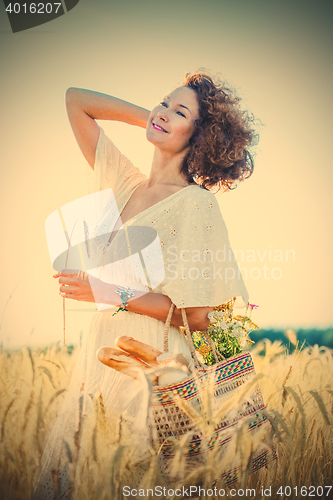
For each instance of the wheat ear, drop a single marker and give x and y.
(63, 299)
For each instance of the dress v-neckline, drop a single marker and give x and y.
(167, 198)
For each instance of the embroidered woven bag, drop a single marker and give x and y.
(172, 407)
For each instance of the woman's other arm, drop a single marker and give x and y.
(155, 305)
(85, 106)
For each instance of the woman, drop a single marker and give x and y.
(201, 140)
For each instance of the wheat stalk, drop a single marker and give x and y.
(86, 237)
(108, 456)
(68, 247)
(3, 311)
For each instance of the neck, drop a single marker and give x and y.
(166, 168)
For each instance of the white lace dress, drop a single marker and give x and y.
(198, 269)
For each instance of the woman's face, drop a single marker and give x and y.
(171, 124)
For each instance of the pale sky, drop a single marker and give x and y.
(278, 57)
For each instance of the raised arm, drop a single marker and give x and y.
(85, 106)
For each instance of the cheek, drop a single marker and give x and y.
(151, 114)
(148, 126)
(186, 132)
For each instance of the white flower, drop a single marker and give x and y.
(237, 332)
(215, 316)
(223, 325)
(244, 344)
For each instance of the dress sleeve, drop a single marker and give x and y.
(113, 170)
(200, 265)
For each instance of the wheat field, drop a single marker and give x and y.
(298, 392)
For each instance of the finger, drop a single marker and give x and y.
(67, 272)
(68, 296)
(70, 281)
(67, 275)
(69, 289)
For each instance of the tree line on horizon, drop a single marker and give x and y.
(303, 336)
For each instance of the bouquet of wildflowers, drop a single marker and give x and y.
(229, 333)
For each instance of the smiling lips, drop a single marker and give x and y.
(158, 127)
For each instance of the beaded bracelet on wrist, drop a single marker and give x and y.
(125, 293)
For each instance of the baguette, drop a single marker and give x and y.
(138, 349)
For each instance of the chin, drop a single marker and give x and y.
(148, 136)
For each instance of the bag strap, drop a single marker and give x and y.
(197, 363)
(167, 326)
(216, 354)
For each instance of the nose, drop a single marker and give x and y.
(161, 115)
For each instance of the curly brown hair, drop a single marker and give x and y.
(219, 155)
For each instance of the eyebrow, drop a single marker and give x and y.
(180, 105)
